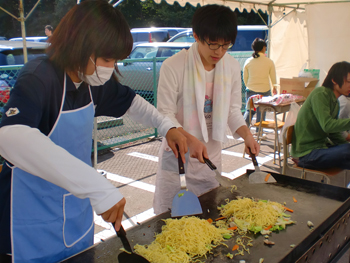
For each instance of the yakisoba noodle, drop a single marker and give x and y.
(253, 213)
(183, 240)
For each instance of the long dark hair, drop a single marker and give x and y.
(257, 45)
(92, 27)
(338, 72)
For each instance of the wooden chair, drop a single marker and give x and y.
(324, 173)
(266, 125)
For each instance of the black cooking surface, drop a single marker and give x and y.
(319, 203)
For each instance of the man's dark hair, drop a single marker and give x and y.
(92, 27)
(49, 28)
(215, 22)
(257, 45)
(338, 72)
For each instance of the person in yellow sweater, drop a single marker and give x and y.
(259, 76)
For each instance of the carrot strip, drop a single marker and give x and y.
(267, 228)
(288, 209)
(220, 218)
(267, 177)
(235, 247)
(295, 200)
(232, 228)
(210, 220)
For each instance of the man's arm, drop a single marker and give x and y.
(169, 94)
(251, 145)
(322, 110)
(338, 138)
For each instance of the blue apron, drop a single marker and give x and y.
(49, 224)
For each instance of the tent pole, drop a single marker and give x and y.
(23, 29)
(269, 22)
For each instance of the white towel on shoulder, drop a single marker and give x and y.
(194, 86)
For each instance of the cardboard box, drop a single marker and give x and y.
(298, 86)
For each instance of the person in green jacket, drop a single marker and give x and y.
(317, 140)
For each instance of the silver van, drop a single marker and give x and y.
(149, 35)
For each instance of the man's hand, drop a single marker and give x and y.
(197, 149)
(115, 214)
(174, 137)
(252, 144)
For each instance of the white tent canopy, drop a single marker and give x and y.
(313, 32)
(254, 4)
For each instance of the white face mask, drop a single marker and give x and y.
(100, 76)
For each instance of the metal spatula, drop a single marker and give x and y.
(185, 202)
(126, 257)
(221, 180)
(259, 177)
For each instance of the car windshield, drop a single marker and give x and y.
(141, 36)
(169, 51)
(185, 38)
(142, 52)
(15, 57)
(159, 36)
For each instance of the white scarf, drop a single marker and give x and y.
(194, 96)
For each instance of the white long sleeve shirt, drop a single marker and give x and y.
(34, 152)
(170, 92)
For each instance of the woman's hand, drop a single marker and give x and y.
(274, 91)
(115, 214)
(175, 137)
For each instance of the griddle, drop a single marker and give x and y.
(327, 206)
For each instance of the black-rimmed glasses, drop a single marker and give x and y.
(217, 46)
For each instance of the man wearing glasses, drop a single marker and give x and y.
(200, 91)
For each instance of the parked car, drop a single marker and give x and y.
(30, 39)
(11, 53)
(143, 67)
(184, 36)
(171, 30)
(245, 37)
(3, 38)
(149, 35)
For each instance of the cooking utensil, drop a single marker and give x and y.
(327, 206)
(126, 257)
(259, 177)
(221, 180)
(185, 202)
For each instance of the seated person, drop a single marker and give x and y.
(317, 140)
(344, 113)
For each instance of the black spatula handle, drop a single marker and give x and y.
(181, 163)
(255, 162)
(209, 163)
(122, 235)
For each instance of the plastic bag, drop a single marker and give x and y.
(291, 118)
(303, 74)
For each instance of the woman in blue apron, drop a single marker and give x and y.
(48, 189)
